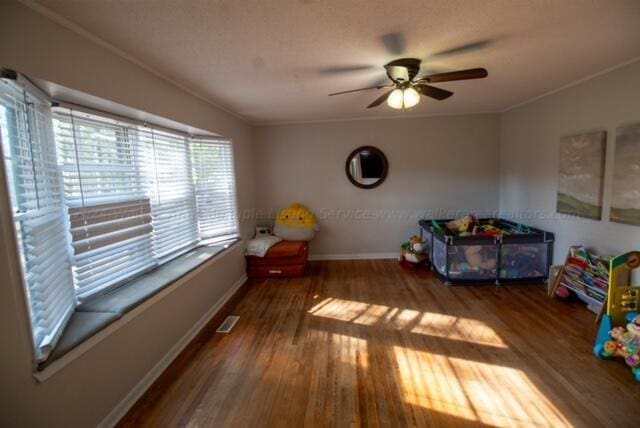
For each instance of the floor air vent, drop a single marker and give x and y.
(227, 324)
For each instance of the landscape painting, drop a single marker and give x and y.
(581, 174)
(625, 196)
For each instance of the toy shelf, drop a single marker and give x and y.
(587, 275)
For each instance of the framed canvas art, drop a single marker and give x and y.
(581, 174)
(625, 195)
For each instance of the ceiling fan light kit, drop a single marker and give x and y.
(407, 89)
(403, 98)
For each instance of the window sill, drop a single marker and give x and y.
(91, 318)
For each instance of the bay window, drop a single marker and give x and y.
(37, 203)
(97, 201)
(108, 200)
(214, 185)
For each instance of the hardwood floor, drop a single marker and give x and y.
(367, 343)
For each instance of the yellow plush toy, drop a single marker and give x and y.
(462, 225)
(296, 223)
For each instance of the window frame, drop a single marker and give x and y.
(228, 142)
(17, 214)
(138, 131)
(8, 218)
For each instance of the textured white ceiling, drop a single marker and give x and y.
(276, 60)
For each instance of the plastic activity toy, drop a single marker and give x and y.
(619, 333)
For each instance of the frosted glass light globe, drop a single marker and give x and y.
(395, 99)
(411, 97)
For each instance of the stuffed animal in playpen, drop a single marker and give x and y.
(476, 260)
(520, 261)
(463, 225)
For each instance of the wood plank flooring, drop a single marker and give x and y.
(367, 343)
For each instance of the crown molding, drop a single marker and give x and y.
(355, 119)
(81, 31)
(572, 84)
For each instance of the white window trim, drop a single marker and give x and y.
(14, 270)
(41, 345)
(114, 327)
(235, 190)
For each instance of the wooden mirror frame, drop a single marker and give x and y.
(385, 167)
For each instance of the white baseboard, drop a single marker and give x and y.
(129, 400)
(356, 256)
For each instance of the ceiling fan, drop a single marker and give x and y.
(407, 89)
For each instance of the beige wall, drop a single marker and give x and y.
(85, 391)
(438, 166)
(530, 138)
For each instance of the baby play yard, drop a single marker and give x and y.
(488, 250)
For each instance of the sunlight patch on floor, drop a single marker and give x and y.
(478, 392)
(425, 323)
(350, 350)
(457, 328)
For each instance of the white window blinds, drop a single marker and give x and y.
(139, 196)
(107, 195)
(173, 201)
(213, 176)
(37, 202)
(108, 200)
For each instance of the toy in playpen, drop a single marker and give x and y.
(522, 261)
(472, 258)
(470, 225)
(482, 250)
(619, 333)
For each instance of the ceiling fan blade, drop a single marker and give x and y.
(346, 69)
(462, 49)
(380, 99)
(395, 43)
(472, 73)
(358, 90)
(432, 91)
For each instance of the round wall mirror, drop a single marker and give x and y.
(367, 167)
